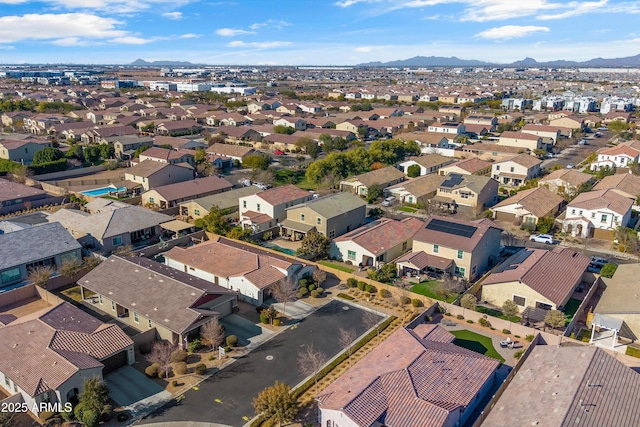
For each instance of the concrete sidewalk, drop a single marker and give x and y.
(611, 252)
(295, 309)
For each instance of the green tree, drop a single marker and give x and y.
(239, 233)
(200, 156)
(309, 146)
(510, 309)
(277, 403)
(413, 171)
(545, 224)
(618, 126)
(92, 401)
(384, 274)
(92, 154)
(608, 270)
(314, 245)
(214, 222)
(75, 152)
(107, 151)
(554, 319)
(289, 94)
(47, 155)
(374, 192)
(256, 161)
(139, 150)
(285, 130)
(149, 127)
(468, 301)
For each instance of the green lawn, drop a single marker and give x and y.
(496, 313)
(476, 342)
(584, 335)
(571, 308)
(406, 209)
(287, 176)
(430, 289)
(74, 293)
(336, 266)
(632, 351)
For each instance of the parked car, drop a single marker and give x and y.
(388, 201)
(549, 155)
(583, 142)
(598, 261)
(278, 152)
(542, 238)
(570, 166)
(597, 135)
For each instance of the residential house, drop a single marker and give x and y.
(22, 250)
(166, 155)
(110, 228)
(168, 196)
(491, 152)
(515, 171)
(235, 152)
(521, 140)
(179, 143)
(331, 215)
(428, 163)
(282, 142)
(150, 174)
(477, 192)
(566, 181)
(463, 248)
(15, 119)
(357, 127)
(572, 385)
(376, 243)
(179, 127)
(618, 312)
(536, 278)
(618, 156)
(15, 196)
(415, 191)
(596, 214)
(528, 206)
(617, 116)
(265, 210)
(447, 128)
(49, 354)
(625, 184)
(470, 166)
(125, 146)
(415, 378)
(227, 202)
(348, 135)
(144, 295)
(383, 177)
(235, 135)
(490, 122)
(293, 122)
(428, 141)
(246, 269)
(21, 151)
(549, 134)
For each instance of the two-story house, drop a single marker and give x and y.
(384, 177)
(150, 174)
(528, 206)
(521, 140)
(125, 146)
(226, 201)
(470, 166)
(293, 122)
(448, 128)
(21, 151)
(168, 196)
(489, 121)
(515, 171)
(597, 214)
(567, 181)
(265, 210)
(462, 248)
(549, 134)
(477, 192)
(428, 163)
(619, 156)
(166, 155)
(331, 216)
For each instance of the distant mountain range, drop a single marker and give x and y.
(143, 63)
(440, 61)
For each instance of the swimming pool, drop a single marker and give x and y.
(103, 191)
(278, 248)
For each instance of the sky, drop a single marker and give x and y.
(314, 32)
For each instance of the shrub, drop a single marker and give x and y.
(303, 291)
(371, 289)
(367, 295)
(232, 341)
(484, 322)
(345, 296)
(194, 345)
(179, 355)
(303, 283)
(459, 317)
(227, 349)
(362, 285)
(517, 336)
(469, 321)
(506, 331)
(416, 302)
(264, 319)
(385, 293)
(529, 337)
(152, 370)
(518, 354)
(200, 369)
(180, 368)
(492, 328)
(405, 299)
(608, 270)
(352, 283)
(312, 287)
(212, 357)
(277, 322)
(162, 373)
(320, 290)
(315, 294)
(174, 383)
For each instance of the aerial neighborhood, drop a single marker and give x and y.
(339, 247)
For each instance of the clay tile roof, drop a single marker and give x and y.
(524, 160)
(284, 194)
(193, 188)
(602, 199)
(10, 190)
(624, 182)
(539, 201)
(383, 234)
(446, 239)
(519, 135)
(620, 150)
(380, 176)
(570, 176)
(430, 160)
(471, 165)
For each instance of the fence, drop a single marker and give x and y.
(30, 204)
(582, 310)
(69, 173)
(165, 245)
(144, 338)
(16, 295)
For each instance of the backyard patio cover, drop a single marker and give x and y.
(296, 226)
(176, 225)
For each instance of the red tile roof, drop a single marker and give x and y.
(466, 244)
(284, 194)
(383, 234)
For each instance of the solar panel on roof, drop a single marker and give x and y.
(452, 180)
(451, 228)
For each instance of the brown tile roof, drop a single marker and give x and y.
(224, 259)
(284, 194)
(602, 199)
(166, 154)
(553, 274)
(448, 240)
(619, 150)
(398, 383)
(383, 234)
(573, 386)
(147, 168)
(539, 201)
(173, 141)
(423, 137)
(229, 150)
(193, 188)
(431, 160)
(519, 135)
(624, 182)
(571, 176)
(525, 160)
(471, 165)
(380, 176)
(43, 350)
(422, 185)
(10, 190)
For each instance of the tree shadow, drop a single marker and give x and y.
(471, 345)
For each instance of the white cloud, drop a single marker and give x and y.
(176, 16)
(190, 36)
(510, 32)
(71, 41)
(111, 6)
(232, 32)
(58, 26)
(135, 40)
(576, 8)
(259, 45)
(271, 23)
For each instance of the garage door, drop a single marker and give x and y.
(114, 362)
(504, 216)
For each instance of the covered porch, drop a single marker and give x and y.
(177, 228)
(293, 230)
(607, 331)
(445, 203)
(413, 264)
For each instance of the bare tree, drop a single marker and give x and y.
(125, 250)
(285, 291)
(319, 276)
(212, 333)
(161, 354)
(70, 267)
(372, 320)
(346, 337)
(310, 362)
(40, 275)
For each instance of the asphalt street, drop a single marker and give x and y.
(226, 397)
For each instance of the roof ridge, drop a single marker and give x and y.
(163, 274)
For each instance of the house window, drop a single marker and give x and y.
(513, 169)
(301, 217)
(616, 219)
(436, 248)
(580, 212)
(351, 255)
(573, 211)
(530, 219)
(332, 234)
(10, 275)
(404, 246)
(113, 306)
(7, 381)
(244, 203)
(464, 195)
(319, 221)
(460, 254)
(149, 323)
(459, 271)
(116, 241)
(603, 219)
(151, 200)
(258, 205)
(473, 270)
(521, 301)
(497, 167)
(593, 215)
(196, 212)
(100, 300)
(135, 317)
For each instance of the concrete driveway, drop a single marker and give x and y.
(134, 391)
(294, 309)
(248, 333)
